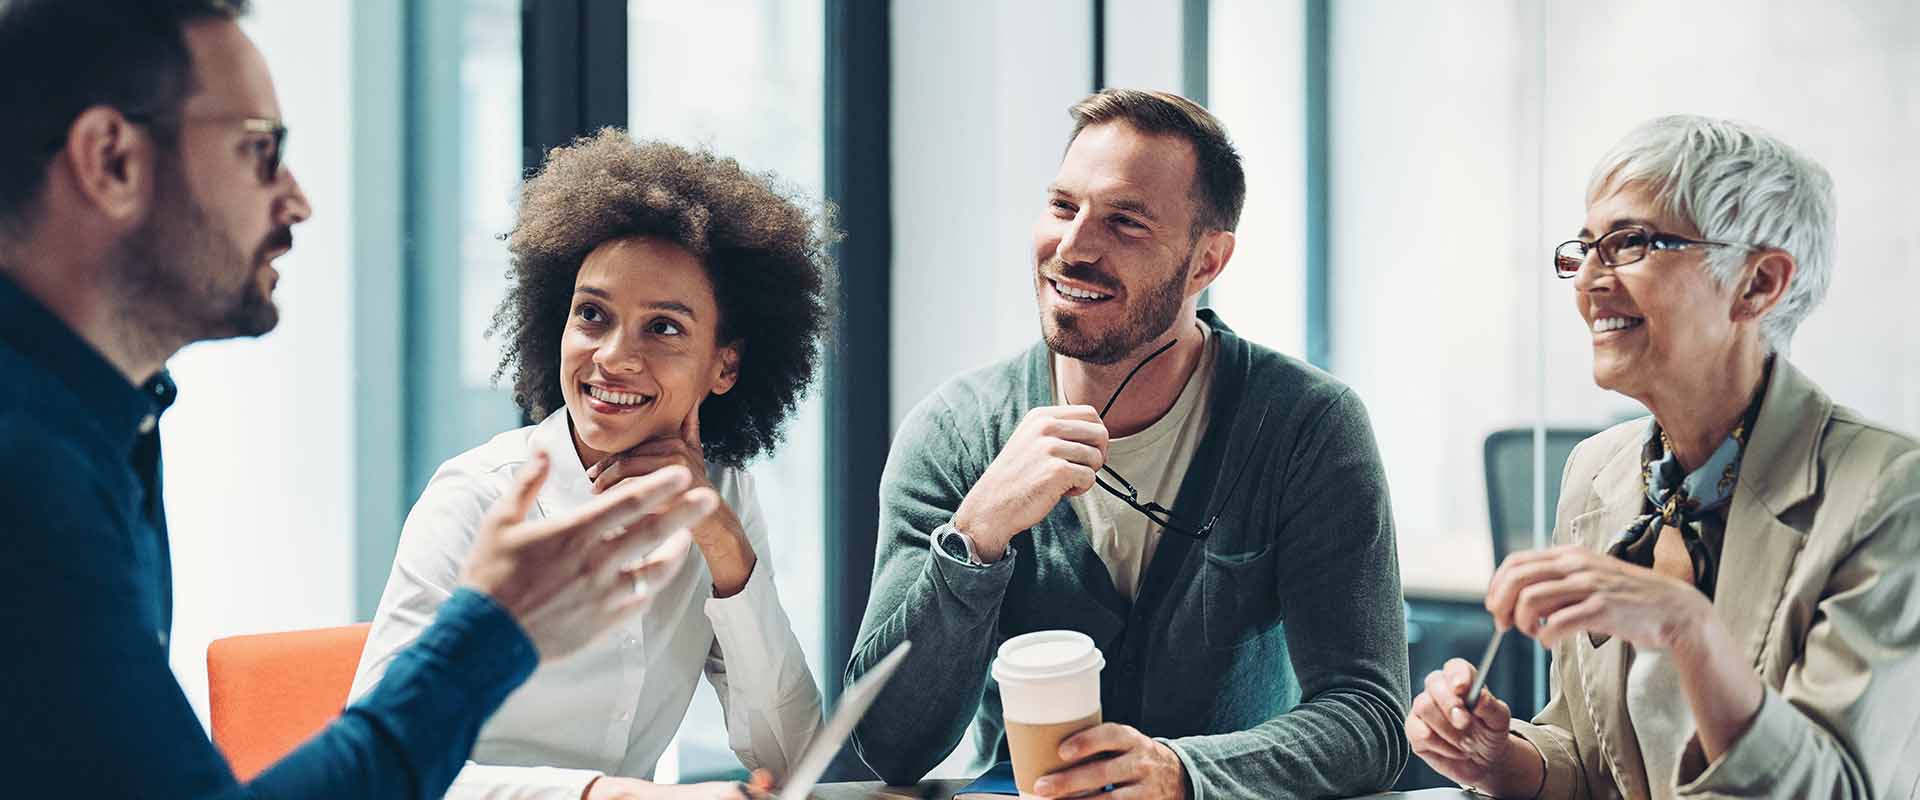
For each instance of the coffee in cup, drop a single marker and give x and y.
(1049, 690)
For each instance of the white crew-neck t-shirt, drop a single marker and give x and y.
(1155, 461)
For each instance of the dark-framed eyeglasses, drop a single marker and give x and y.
(270, 151)
(1156, 512)
(1623, 246)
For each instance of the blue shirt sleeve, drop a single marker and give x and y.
(89, 706)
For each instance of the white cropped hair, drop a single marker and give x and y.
(1735, 183)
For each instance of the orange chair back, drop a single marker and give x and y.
(269, 692)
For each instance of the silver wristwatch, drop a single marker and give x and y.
(957, 546)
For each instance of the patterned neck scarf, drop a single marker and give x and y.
(1682, 499)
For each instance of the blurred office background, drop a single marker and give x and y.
(1410, 165)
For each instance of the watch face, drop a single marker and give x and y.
(954, 545)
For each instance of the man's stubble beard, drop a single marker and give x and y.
(181, 276)
(1155, 313)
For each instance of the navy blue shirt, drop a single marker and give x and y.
(88, 704)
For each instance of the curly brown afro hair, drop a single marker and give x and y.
(765, 252)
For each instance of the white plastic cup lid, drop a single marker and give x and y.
(1046, 654)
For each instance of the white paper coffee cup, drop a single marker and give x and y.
(1049, 690)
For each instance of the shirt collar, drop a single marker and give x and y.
(100, 392)
(567, 486)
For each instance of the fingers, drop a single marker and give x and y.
(661, 557)
(1428, 744)
(681, 513)
(595, 470)
(630, 582)
(1440, 708)
(1521, 570)
(640, 540)
(630, 594)
(1075, 452)
(1072, 423)
(1106, 737)
(1460, 673)
(615, 509)
(648, 456)
(1457, 744)
(1078, 479)
(1088, 778)
(515, 504)
(1457, 679)
(1080, 412)
(1092, 434)
(622, 467)
(1456, 767)
(1575, 618)
(1493, 712)
(1546, 598)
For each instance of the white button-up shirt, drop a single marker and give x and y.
(613, 707)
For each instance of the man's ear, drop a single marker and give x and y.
(729, 367)
(108, 163)
(1771, 273)
(1210, 259)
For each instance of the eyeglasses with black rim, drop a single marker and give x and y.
(1157, 513)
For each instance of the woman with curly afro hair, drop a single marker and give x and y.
(667, 308)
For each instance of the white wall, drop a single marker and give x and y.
(258, 450)
(980, 96)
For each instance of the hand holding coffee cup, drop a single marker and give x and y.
(1117, 759)
(1049, 691)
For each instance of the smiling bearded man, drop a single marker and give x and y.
(1251, 628)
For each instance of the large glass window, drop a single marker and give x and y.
(1257, 88)
(745, 77)
(464, 162)
(490, 155)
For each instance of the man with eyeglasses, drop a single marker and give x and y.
(142, 205)
(1212, 513)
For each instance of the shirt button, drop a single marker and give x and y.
(146, 424)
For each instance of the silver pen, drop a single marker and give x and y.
(1486, 663)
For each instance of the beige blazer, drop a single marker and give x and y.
(1820, 583)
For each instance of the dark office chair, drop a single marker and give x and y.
(1509, 462)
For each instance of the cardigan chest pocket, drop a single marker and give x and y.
(1239, 601)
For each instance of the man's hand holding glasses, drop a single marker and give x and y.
(1054, 453)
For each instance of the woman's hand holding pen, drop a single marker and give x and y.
(1472, 744)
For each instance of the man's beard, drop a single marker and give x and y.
(185, 278)
(1153, 312)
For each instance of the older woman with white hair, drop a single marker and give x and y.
(1734, 601)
